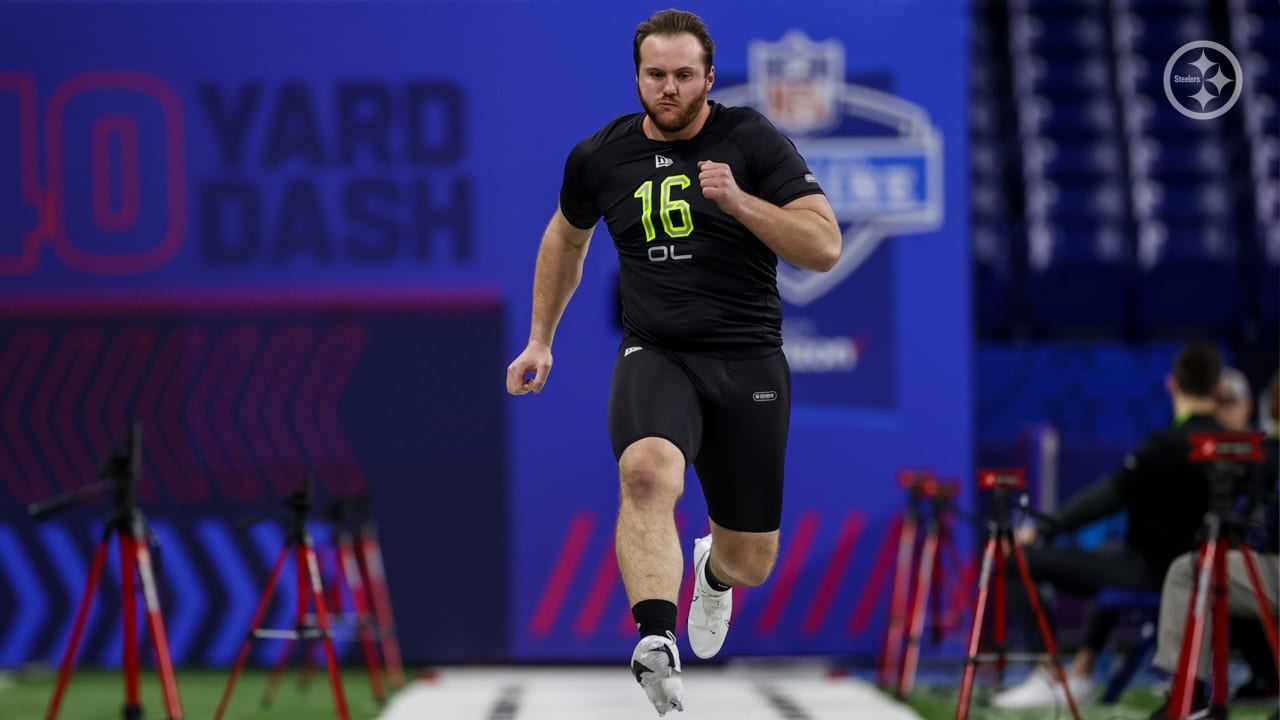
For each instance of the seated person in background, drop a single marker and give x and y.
(1165, 498)
(1179, 583)
(1235, 402)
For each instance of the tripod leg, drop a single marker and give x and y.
(956, 600)
(299, 625)
(375, 578)
(77, 631)
(322, 618)
(248, 641)
(1050, 646)
(1001, 629)
(1220, 627)
(277, 670)
(159, 638)
(363, 618)
(128, 610)
(915, 628)
(1188, 660)
(906, 527)
(975, 632)
(1264, 607)
(937, 596)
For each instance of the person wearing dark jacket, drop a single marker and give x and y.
(1179, 583)
(1164, 497)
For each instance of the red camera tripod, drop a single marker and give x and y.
(298, 543)
(1000, 542)
(122, 471)
(1229, 457)
(898, 673)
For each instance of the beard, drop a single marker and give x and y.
(682, 118)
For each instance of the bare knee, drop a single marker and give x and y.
(651, 472)
(744, 558)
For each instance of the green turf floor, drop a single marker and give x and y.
(98, 695)
(940, 704)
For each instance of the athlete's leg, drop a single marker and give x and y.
(747, 409)
(741, 466)
(651, 472)
(742, 558)
(655, 423)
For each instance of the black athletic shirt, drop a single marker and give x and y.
(691, 277)
(1164, 494)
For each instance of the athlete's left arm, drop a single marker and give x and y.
(804, 232)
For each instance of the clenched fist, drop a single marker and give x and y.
(718, 185)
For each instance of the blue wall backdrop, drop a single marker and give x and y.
(196, 197)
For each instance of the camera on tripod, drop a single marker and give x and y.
(1233, 461)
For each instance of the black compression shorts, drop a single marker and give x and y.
(729, 417)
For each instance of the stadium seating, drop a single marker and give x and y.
(1117, 215)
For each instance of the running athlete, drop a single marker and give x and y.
(701, 200)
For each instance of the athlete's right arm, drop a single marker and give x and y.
(556, 276)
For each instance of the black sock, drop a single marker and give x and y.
(655, 617)
(711, 578)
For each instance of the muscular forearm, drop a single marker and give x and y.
(558, 271)
(800, 236)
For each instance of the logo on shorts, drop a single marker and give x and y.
(882, 179)
(630, 350)
(765, 396)
(1202, 79)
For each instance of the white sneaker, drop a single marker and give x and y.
(656, 666)
(1042, 689)
(710, 610)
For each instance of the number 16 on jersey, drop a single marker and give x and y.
(675, 214)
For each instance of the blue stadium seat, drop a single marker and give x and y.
(1098, 200)
(1072, 75)
(1090, 115)
(1069, 35)
(1267, 282)
(1262, 32)
(1188, 281)
(1146, 605)
(1198, 156)
(1053, 7)
(1192, 201)
(993, 277)
(1090, 157)
(1157, 36)
(1080, 280)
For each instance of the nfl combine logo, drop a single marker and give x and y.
(877, 156)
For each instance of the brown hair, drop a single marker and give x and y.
(1197, 368)
(675, 22)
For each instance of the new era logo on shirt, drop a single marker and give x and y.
(630, 350)
(661, 161)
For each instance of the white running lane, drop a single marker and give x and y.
(611, 694)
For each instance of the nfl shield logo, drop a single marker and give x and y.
(796, 82)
